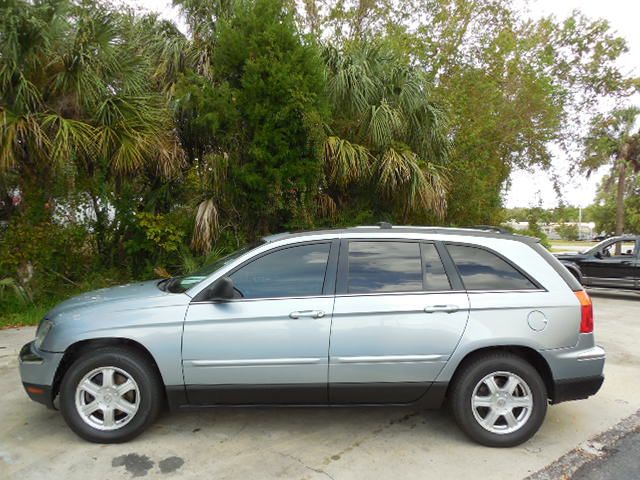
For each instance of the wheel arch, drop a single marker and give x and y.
(79, 348)
(528, 354)
(574, 270)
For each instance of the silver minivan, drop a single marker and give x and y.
(487, 321)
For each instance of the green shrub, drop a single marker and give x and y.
(37, 254)
(568, 231)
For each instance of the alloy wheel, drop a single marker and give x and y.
(107, 398)
(502, 402)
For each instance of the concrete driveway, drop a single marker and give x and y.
(314, 443)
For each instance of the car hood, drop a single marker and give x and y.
(130, 292)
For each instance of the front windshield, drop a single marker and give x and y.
(185, 282)
(597, 247)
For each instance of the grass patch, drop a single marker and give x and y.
(16, 314)
(570, 243)
(560, 246)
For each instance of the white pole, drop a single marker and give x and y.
(579, 223)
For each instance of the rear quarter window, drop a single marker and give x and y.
(481, 269)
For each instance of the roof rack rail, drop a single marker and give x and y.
(493, 229)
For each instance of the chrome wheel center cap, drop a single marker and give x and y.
(108, 396)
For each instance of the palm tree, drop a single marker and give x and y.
(76, 97)
(203, 18)
(614, 140)
(386, 129)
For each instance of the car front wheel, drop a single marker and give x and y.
(499, 400)
(110, 395)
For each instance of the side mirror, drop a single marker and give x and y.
(598, 255)
(221, 290)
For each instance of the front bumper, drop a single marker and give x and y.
(37, 371)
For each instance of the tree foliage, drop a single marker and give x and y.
(511, 85)
(127, 145)
(255, 123)
(386, 131)
(614, 141)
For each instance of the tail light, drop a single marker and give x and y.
(586, 324)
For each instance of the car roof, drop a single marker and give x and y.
(624, 236)
(383, 227)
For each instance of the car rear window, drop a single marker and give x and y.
(484, 270)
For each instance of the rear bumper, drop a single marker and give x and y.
(577, 371)
(576, 388)
(37, 371)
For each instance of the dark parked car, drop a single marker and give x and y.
(611, 263)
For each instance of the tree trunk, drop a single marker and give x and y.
(405, 213)
(100, 226)
(622, 172)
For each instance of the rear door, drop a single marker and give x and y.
(396, 321)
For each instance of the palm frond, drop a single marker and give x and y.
(382, 124)
(326, 206)
(71, 138)
(345, 162)
(418, 184)
(20, 134)
(206, 226)
(169, 155)
(393, 171)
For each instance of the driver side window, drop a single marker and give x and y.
(296, 271)
(621, 248)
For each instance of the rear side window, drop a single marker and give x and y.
(384, 267)
(483, 270)
(435, 277)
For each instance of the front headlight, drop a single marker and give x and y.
(43, 329)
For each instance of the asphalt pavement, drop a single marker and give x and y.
(622, 461)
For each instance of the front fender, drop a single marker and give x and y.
(157, 329)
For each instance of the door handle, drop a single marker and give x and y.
(307, 313)
(441, 308)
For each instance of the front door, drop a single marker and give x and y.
(615, 265)
(396, 321)
(270, 345)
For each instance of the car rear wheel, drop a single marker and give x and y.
(499, 400)
(110, 395)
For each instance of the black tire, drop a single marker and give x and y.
(151, 393)
(472, 373)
